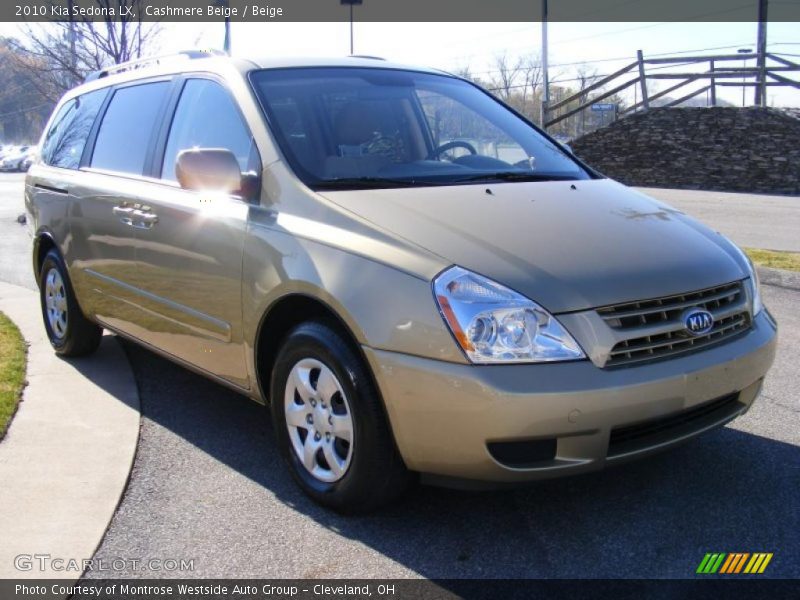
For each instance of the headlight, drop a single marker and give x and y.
(494, 324)
(755, 288)
(752, 283)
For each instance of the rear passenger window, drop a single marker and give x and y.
(65, 140)
(127, 126)
(207, 117)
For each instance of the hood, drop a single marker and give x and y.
(568, 245)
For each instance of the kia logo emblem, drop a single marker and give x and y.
(698, 321)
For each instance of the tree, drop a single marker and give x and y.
(531, 67)
(585, 76)
(507, 73)
(23, 110)
(532, 74)
(57, 56)
(464, 72)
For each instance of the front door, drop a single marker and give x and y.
(189, 253)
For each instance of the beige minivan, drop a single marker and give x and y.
(412, 277)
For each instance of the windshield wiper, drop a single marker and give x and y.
(516, 176)
(369, 183)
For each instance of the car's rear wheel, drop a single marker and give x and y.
(330, 425)
(69, 331)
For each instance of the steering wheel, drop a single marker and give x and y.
(449, 146)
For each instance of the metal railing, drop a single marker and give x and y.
(150, 61)
(760, 77)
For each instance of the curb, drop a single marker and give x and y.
(68, 452)
(779, 277)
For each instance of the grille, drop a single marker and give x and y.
(642, 435)
(654, 330)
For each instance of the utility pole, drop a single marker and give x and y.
(545, 73)
(73, 58)
(744, 75)
(761, 61)
(226, 44)
(351, 3)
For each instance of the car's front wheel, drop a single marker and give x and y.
(330, 425)
(69, 331)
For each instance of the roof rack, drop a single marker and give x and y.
(367, 56)
(141, 63)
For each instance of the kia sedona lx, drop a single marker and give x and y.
(415, 280)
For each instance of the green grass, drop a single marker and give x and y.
(789, 261)
(12, 370)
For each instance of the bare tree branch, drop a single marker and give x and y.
(507, 73)
(71, 50)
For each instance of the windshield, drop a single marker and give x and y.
(347, 128)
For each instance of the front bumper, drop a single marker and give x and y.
(443, 415)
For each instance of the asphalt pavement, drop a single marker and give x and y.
(207, 485)
(750, 220)
(15, 262)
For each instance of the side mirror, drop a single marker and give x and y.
(567, 147)
(209, 169)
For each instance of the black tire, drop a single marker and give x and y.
(376, 474)
(80, 336)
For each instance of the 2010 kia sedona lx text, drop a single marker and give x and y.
(412, 277)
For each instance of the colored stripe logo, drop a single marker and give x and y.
(734, 563)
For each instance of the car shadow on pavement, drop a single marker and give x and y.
(103, 369)
(207, 462)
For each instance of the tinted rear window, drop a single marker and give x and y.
(65, 140)
(127, 127)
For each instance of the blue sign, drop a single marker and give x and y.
(604, 107)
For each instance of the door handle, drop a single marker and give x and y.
(136, 216)
(144, 220)
(124, 213)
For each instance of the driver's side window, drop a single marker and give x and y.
(450, 121)
(207, 117)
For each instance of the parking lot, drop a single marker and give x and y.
(208, 485)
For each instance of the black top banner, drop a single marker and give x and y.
(259, 11)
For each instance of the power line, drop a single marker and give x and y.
(655, 55)
(24, 110)
(518, 86)
(617, 59)
(605, 9)
(597, 35)
(695, 18)
(598, 77)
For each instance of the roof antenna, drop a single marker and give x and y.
(226, 44)
(351, 3)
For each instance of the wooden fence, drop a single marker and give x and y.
(719, 73)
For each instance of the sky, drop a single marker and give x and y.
(605, 47)
(476, 45)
